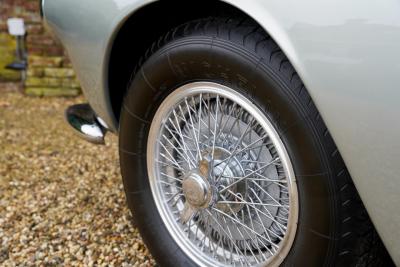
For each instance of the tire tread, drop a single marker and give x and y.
(359, 243)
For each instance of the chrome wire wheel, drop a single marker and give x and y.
(221, 178)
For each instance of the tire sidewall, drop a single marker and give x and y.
(203, 58)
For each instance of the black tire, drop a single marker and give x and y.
(334, 229)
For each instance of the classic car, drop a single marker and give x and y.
(251, 132)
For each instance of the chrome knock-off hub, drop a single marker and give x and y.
(196, 190)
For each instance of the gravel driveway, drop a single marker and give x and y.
(61, 198)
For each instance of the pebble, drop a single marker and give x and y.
(61, 198)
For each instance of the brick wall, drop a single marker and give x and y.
(49, 69)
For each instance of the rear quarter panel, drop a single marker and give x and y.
(346, 52)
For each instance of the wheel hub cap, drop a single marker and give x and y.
(197, 190)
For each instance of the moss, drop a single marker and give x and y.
(46, 91)
(59, 72)
(7, 56)
(38, 61)
(35, 72)
(70, 83)
(46, 82)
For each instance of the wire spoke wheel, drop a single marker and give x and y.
(221, 177)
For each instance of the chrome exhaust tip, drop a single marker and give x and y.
(83, 121)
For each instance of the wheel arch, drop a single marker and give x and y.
(124, 43)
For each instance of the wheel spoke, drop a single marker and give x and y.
(193, 129)
(247, 175)
(221, 177)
